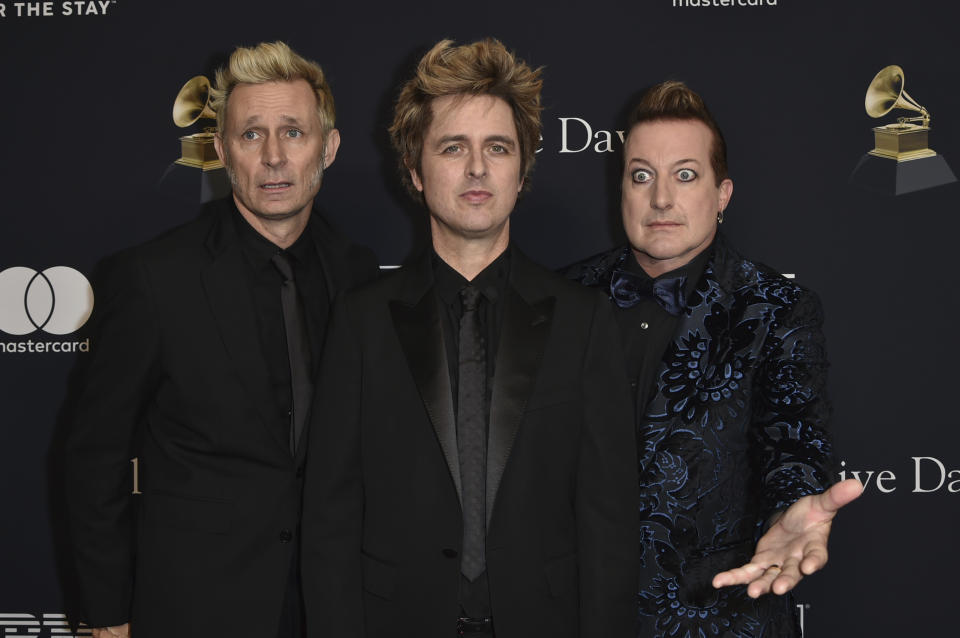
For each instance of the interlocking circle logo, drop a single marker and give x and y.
(58, 300)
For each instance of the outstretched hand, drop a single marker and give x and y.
(795, 545)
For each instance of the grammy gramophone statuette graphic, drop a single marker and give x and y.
(198, 175)
(901, 160)
(192, 105)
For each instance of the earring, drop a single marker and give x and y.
(719, 216)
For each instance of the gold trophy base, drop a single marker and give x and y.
(901, 142)
(197, 150)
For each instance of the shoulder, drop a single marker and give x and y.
(792, 302)
(596, 270)
(572, 301)
(168, 252)
(358, 260)
(184, 241)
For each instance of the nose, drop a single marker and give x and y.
(661, 195)
(272, 153)
(476, 166)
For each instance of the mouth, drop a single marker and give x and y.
(476, 196)
(275, 187)
(664, 225)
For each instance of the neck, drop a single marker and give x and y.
(469, 256)
(280, 232)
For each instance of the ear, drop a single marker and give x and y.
(330, 146)
(415, 178)
(520, 187)
(218, 145)
(726, 192)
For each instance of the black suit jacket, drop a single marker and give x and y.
(382, 525)
(177, 377)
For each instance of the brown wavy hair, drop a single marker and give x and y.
(485, 67)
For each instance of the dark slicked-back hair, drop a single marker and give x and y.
(481, 68)
(673, 100)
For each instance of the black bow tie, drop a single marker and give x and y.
(628, 289)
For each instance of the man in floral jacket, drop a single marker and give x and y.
(727, 361)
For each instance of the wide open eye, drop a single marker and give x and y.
(641, 176)
(686, 175)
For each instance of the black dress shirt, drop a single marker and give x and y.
(264, 282)
(492, 282)
(647, 328)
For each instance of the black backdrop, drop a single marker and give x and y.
(87, 133)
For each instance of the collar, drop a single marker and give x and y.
(260, 250)
(492, 280)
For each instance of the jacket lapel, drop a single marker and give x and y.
(526, 326)
(416, 319)
(232, 308)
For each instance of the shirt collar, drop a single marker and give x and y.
(260, 250)
(692, 270)
(492, 280)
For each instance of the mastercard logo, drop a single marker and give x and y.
(57, 300)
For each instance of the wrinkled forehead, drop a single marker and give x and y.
(272, 102)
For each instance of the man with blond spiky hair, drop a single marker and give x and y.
(472, 461)
(207, 340)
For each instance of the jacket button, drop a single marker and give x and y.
(286, 536)
(449, 553)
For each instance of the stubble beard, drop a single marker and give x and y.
(314, 186)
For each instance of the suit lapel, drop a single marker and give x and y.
(526, 325)
(232, 308)
(416, 320)
(335, 273)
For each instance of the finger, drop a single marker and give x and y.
(839, 495)
(738, 575)
(761, 585)
(788, 578)
(814, 557)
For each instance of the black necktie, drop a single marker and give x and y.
(471, 434)
(628, 289)
(298, 348)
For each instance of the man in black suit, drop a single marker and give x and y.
(206, 345)
(473, 471)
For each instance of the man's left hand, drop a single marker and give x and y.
(795, 545)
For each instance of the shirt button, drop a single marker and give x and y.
(286, 536)
(644, 325)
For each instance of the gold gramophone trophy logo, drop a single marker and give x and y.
(901, 160)
(192, 105)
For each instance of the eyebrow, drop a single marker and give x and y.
(680, 161)
(502, 139)
(254, 119)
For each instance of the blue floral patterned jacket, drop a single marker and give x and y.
(733, 431)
